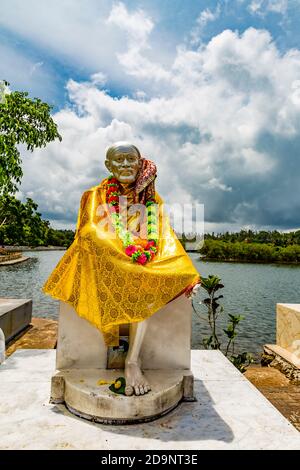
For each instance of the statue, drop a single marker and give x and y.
(125, 263)
(2, 346)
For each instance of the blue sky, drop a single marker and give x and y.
(210, 90)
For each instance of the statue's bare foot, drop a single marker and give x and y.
(135, 380)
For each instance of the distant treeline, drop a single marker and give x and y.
(59, 237)
(249, 236)
(251, 246)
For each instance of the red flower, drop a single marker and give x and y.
(112, 189)
(130, 249)
(142, 259)
(113, 199)
(149, 244)
(112, 181)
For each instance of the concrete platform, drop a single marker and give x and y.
(15, 316)
(230, 413)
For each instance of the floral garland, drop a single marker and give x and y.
(144, 250)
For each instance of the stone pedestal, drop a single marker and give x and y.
(80, 391)
(286, 351)
(81, 361)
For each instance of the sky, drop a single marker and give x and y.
(209, 90)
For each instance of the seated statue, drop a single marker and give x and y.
(125, 262)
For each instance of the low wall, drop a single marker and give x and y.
(288, 327)
(285, 354)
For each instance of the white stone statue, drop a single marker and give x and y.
(117, 273)
(2, 346)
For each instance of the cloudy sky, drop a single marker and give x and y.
(210, 90)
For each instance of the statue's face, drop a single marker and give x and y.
(124, 165)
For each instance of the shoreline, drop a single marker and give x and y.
(230, 260)
(31, 248)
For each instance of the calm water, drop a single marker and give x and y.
(250, 289)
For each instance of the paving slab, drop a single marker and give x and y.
(230, 413)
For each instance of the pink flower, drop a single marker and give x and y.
(114, 209)
(130, 249)
(142, 259)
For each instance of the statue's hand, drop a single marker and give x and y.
(192, 290)
(195, 289)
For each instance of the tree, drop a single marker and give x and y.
(59, 237)
(20, 223)
(22, 121)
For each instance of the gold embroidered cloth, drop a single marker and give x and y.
(103, 284)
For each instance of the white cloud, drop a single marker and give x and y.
(225, 134)
(214, 183)
(140, 95)
(206, 16)
(262, 7)
(35, 67)
(278, 6)
(89, 36)
(98, 78)
(255, 6)
(73, 31)
(137, 25)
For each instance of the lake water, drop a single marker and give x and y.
(251, 290)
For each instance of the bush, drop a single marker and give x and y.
(212, 284)
(244, 251)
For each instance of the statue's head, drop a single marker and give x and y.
(123, 160)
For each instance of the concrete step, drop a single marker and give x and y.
(15, 316)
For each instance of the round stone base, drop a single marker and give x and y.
(83, 396)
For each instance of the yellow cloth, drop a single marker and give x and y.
(104, 285)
